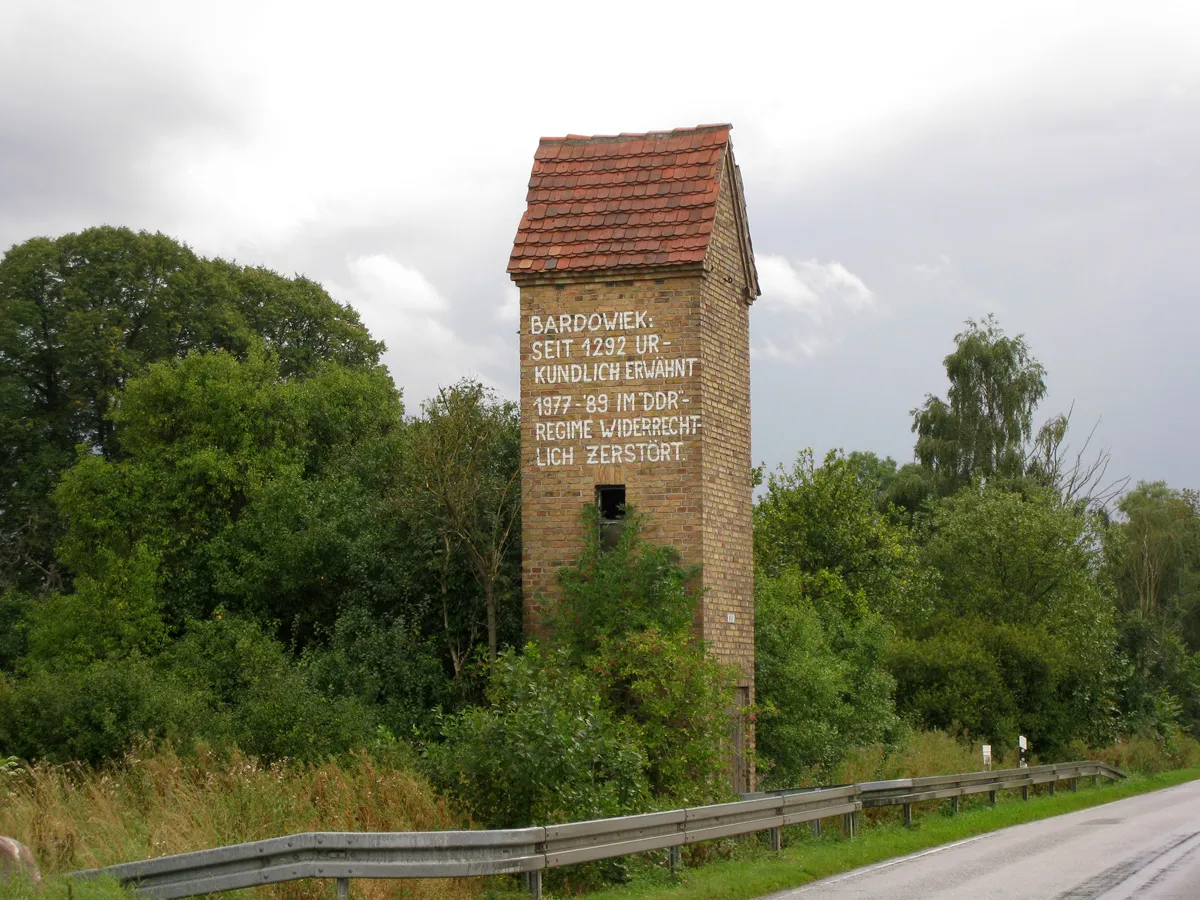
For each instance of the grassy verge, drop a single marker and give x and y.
(145, 807)
(755, 871)
(157, 804)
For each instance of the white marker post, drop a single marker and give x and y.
(987, 757)
(1023, 746)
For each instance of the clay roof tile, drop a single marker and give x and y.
(628, 200)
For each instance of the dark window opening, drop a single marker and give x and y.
(610, 500)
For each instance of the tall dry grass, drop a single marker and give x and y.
(920, 754)
(154, 804)
(924, 753)
(1144, 754)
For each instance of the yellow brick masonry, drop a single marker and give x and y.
(727, 533)
(670, 494)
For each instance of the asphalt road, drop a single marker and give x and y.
(1146, 847)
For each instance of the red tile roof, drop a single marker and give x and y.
(623, 200)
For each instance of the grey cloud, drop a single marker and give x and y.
(81, 125)
(1077, 226)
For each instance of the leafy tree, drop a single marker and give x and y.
(111, 615)
(1152, 551)
(1020, 557)
(1020, 593)
(246, 487)
(826, 519)
(833, 565)
(465, 469)
(1154, 554)
(821, 682)
(983, 426)
(83, 313)
(899, 492)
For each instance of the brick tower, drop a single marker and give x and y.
(636, 274)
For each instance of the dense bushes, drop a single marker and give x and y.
(1002, 611)
(224, 681)
(821, 680)
(250, 568)
(628, 712)
(544, 749)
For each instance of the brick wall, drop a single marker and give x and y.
(727, 537)
(557, 476)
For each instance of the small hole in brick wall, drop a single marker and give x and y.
(560, 287)
(610, 501)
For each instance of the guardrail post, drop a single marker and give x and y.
(992, 797)
(534, 879)
(343, 889)
(854, 823)
(954, 806)
(674, 859)
(1074, 785)
(908, 815)
(848, 824)
(777, 839)
(1095, 780)
(816, 827)
(1024, 792)
(1053, 787)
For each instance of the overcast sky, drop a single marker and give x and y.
(907, 166)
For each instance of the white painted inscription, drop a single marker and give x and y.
(606, 410)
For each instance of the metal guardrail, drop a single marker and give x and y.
(454, 854)
(907, 791)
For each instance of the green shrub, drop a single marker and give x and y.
(94, 713)
(261, 700)
(543, 750)
(677, 699)
(629, 588)
(994, 680)
(385, 663)
(820, 676)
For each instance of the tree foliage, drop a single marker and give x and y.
(983, 426)
(218, 524)
(82, 314)
(466, 473)
(827, 518)
(833, 567)
(822, 685)
(1019, 595)
(232, 477)
(1152, 551)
